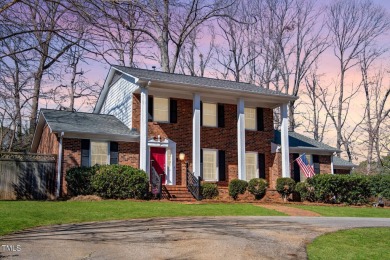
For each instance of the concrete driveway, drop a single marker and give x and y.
(179, 238)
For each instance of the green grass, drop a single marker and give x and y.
(18, 215)
(360, 243)
(336, 211)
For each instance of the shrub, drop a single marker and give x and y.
(380, 185)
(78, 180)
(257, 187)
(305, 191)
(285, 186)
(120, 182)
(236, 187)
(209, 190)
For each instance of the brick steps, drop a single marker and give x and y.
(179, 193)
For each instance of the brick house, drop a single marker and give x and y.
(150, 119)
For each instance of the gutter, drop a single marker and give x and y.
(59, 165)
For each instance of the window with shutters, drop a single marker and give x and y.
(210, 165)
(160, 109)
(250, 118)
(251, 167)
(99, 153)
(209, 114)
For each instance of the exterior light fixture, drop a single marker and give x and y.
(182, 156)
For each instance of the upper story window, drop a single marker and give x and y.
(209, 114)
(99, 153)
(250, 118)
(251, 167)
(160, 109)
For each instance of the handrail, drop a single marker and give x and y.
(193, 184)
(156, 182)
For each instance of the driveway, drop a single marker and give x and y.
(179, 238)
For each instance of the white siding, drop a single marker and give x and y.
(119, 101)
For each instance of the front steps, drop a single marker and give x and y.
(178, 193)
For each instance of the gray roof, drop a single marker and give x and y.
(300, 141)
(199, 81)
(338, 162)
(79, 122)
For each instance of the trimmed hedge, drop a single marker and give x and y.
(257, 187)
(380, 185)
(78, 180)
(120, 182)
(237, 187)
(209, 190)
(285, 186)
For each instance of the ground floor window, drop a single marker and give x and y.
(99, 153)
(251, 166)
(210, 165)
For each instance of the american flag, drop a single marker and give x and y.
(307, 169)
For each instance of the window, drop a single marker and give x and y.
(251, 168)
(250, 118)
(99, 153)
(160, 109)
(210, 168)
(209, 114)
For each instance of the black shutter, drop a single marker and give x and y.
(221, 115)
(150, 108)
(296, 171)
(173, 110)
(201, 113)
(261, 165)
(221, 166)
(316, 164)
(85, 144)
(260, 119)
(201, 163)
(114, 153)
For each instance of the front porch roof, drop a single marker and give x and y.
(339, 163)
(183, 86)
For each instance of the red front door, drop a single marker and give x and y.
(157, 157)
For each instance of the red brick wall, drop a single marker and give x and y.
(325, 164)
(211, 137)
(48, 143)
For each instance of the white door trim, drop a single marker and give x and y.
(170, 170)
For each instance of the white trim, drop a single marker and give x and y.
(284, 142)
(168, 144)
(331, 165)
(216, 163)
(196, 135)
(144, 150)
(241, 138)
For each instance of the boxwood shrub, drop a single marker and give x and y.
(78, 180)
(257, 187)
(237, 187)
(209, 190)
(120, 182)
(380, 185)
(285, 186)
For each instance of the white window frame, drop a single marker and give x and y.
(216, 164)
(216, 114)
(154, 110)
(255, 119)
(256, 164)
(90, 151)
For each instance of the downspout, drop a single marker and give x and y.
(331, 164)
(59, 164)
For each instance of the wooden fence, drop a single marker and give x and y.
(27, 176)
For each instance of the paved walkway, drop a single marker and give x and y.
(180, 238)
(291, 211)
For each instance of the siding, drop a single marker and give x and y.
(119, 101)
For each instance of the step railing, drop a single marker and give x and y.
(156, 182)
(193, 184)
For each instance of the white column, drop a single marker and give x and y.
(59, 165)
(285, 146)
(331, 164)
(196, 135)
(241, 139)
(143, 142)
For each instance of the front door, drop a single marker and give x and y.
(157, 157)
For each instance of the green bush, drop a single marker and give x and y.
(78, 180)
(257, 187)
(349, 189)
(380, 185)
(305, 191)
(120, 182)
(285, 186)
(209, 190)
(236, 187)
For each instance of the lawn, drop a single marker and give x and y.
(18, 215)
(336, 211)
(360, 243)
